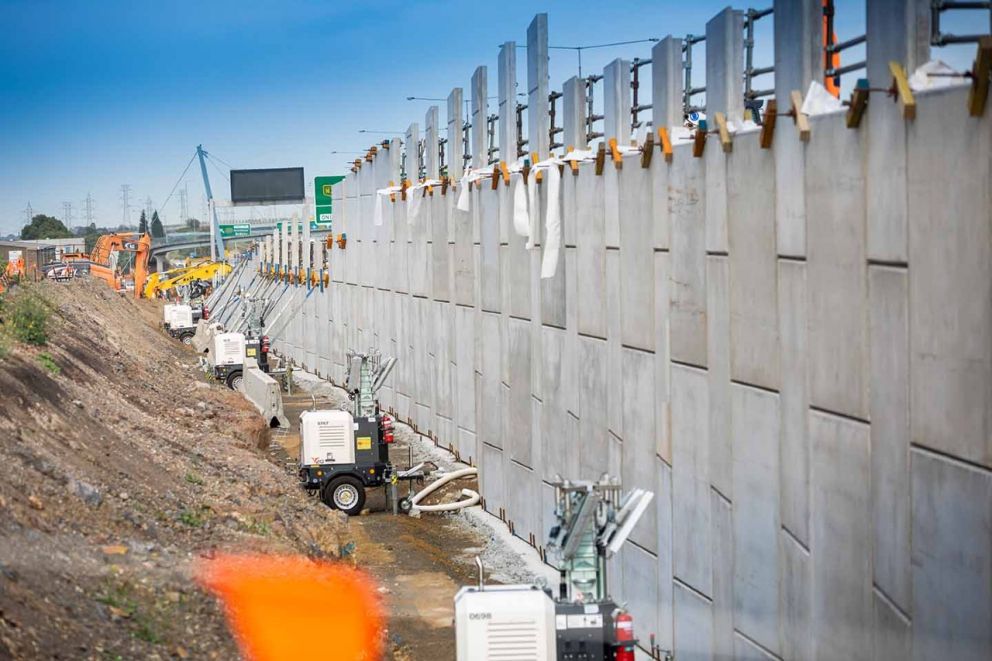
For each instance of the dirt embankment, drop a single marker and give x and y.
(120, 465)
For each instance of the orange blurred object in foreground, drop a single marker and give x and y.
(290, 607)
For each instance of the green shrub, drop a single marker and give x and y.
(192, 518)
(26, 316)
(49, 363)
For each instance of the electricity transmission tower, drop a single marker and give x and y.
(88, 209)
(126, 204)
(29, 213)
(184, 204)
(67, 215)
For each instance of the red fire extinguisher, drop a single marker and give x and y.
(624, 637)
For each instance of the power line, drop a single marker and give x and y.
(213, 155)
(217, 167)
(185, 170)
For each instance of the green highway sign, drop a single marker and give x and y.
(241, 229)
(315, 226)
(322, 190)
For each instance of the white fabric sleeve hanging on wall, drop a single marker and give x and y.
(464, 199)
(413, 197)
(377, 212)
(552, 238)
(533, 210)
(521, 221)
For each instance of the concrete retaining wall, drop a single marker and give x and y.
(816, 423)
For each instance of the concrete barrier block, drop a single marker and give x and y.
(952, 547)
(950, 282)
(755, 424)
(264, 392)
(690, 479)
(840, 538)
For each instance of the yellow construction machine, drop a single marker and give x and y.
(184, 276)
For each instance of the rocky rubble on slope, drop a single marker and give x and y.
(120, 466)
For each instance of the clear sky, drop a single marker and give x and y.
(102, 93)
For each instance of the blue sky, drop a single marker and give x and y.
(101, 93)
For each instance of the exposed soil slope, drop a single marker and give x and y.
(118, 469)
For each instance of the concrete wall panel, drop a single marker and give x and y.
(756, 513)
(890, 431)
(693, 625)
(637, 257)
(718, 374)
(690, 478)
(688, 307)
(840, 538)
(950, 282)
(794, 398)
(952, 559)
(753, 281)
(590, 243)
(838, 291)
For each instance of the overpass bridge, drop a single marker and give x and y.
(176, 241)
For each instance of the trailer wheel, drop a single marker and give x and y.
(345, 493)
(186, 338)
(405, 505)
(234, 380)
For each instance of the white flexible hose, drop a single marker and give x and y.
(470, 497)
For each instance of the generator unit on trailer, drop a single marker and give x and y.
(342, 452)
(505, 622)
(228, 353)
(594, 519)
(181, 323)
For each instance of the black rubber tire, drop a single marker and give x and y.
(345, 493)
(186, 338)
(405, 505)
(234, 379)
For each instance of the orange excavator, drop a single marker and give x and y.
(105, 255)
